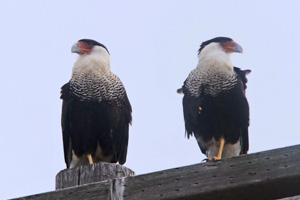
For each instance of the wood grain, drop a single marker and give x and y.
(90, 174)
(270, 174)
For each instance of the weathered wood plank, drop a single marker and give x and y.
(93, 191)
(67, 178)
(90, 174)
(292, 198)
(265, 175)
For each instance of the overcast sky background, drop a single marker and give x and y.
(153, 47)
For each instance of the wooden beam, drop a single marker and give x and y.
(292, 198)
(270, 174)
(90, 174)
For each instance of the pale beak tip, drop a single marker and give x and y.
(75, 48)
(238, 48)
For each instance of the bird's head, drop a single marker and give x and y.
(222, 43)
(92, 56)
(88, 46)
(214, 54)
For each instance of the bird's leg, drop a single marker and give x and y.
(90, 158)
(219, 156)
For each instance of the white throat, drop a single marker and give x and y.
(98, 61)
(213, 58)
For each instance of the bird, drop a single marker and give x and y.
(96, 112)
(215, 106)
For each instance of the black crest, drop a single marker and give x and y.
(216, 39)
(93, 43)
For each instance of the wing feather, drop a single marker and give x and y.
(122, 132)
(245, 108)
(65, 123)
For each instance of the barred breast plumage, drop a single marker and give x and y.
(97, 87)
(209, 82)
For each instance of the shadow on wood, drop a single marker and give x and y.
(271, 174)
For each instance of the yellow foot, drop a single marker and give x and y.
(90, 159)
(217, 158)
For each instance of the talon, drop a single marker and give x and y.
(217, 158)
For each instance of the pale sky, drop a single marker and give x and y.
(153, 46)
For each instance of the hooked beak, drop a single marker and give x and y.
(238, 48)
(75, 48)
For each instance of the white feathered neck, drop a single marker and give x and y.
(214, 59)
(98, 61)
